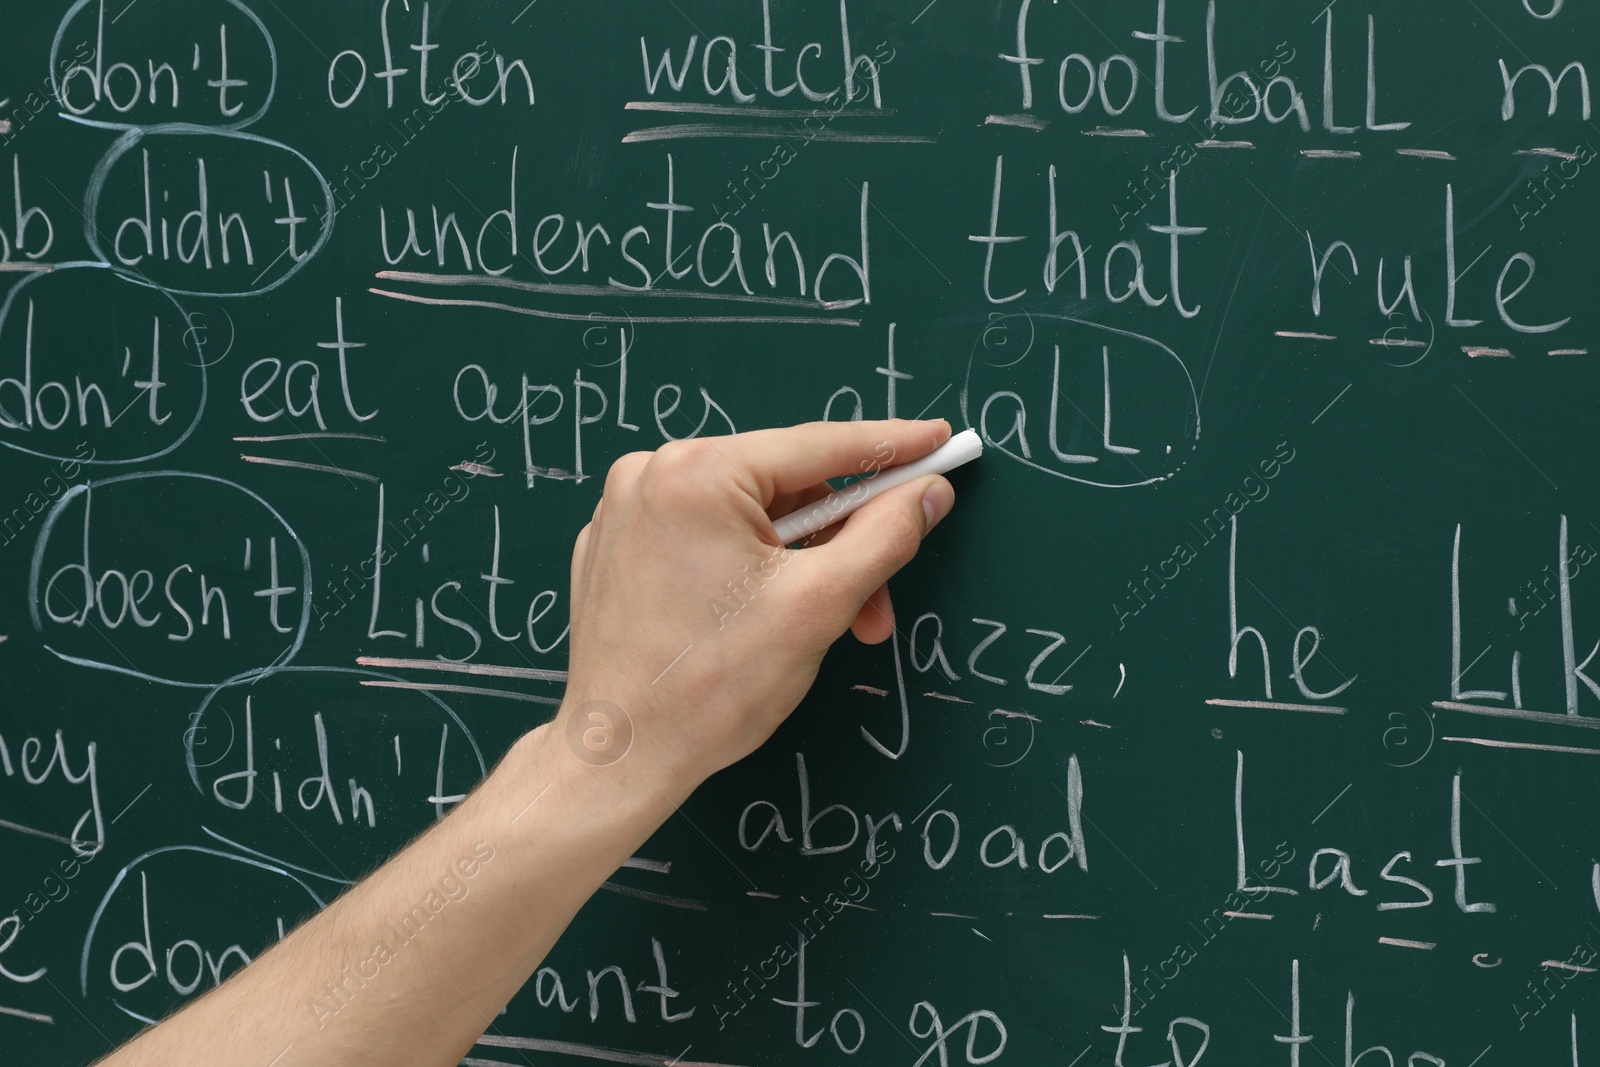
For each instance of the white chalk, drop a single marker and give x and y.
(964, 447)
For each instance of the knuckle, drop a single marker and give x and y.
(625, 471)
(679, 454)
(675, 473)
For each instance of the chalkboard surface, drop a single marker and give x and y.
(1245, 711)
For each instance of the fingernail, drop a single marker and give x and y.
(936, 503)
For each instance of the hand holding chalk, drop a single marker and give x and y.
(688, 615)
(963, 448)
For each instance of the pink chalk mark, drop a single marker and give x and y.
(491, 670)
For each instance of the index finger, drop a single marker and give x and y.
(795, 458)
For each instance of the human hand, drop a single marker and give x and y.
(691, 618)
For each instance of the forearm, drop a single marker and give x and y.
(411, 966)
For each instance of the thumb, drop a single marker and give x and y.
(882, 537)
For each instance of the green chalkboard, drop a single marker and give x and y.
(1245, 710)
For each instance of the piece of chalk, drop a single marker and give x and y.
(964, 447)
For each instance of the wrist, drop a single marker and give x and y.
(587, 769)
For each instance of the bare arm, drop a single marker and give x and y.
(694, 635)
